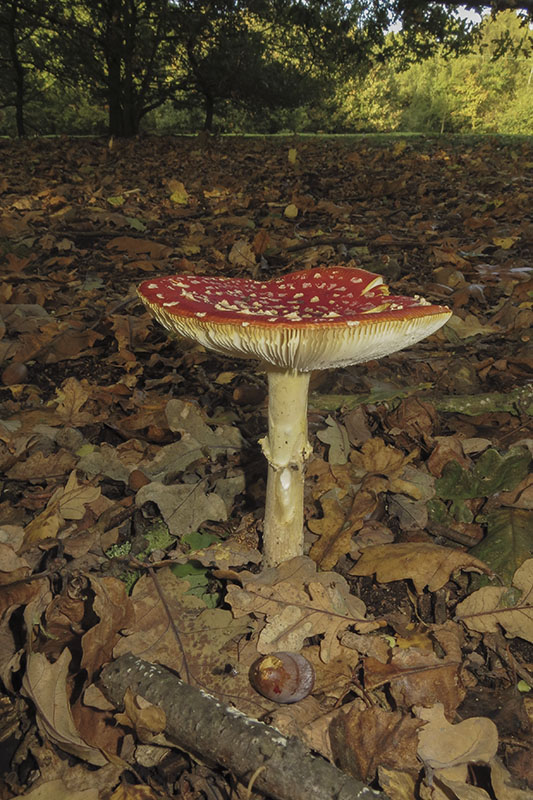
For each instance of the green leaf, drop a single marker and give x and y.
(195, 573)
(116, 201)
(198, 540)
(136, 224)
(507, 545)
(456, 483)
(197, 577)
(491, 474)
(438, 512)
(496, 473)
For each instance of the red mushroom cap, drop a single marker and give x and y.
(311, 319)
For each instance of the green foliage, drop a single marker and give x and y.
(486, 90)
(260, 66)
(507, 545)
(491, 473)
(476, 91)
(197, 576)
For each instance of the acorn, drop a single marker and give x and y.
(283, 677)
(15, 373)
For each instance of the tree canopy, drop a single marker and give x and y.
(129, 57)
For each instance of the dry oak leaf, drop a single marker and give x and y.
(337, 526)
(184, 507)
(186, 418)
(178, 193)
(46, 685)
(57, 790)
(191, 642)
(12, 567)
(297, 602)
(322, 477)
(381, 459)
(146, 719)
(397, 784)
(442, 745)
(502, 786)
(134, 247)
(424, 563)
(67, 502)
(241, 254)
(127, 791)
(416, 678)
(71, 397)
(381, 466)
(447, 448)
(38, 465)
(115, 611)
(363, 740)
(492, 606)
(521, 497)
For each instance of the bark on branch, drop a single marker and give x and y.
(201, 724)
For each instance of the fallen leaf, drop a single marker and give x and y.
(298, 602)
(146, 719)
(442, 745)
(178, 193)
(425, 563)
(194, 644)
(135, 246)
(46, 685)
(521, 496)
(336, 436)
(57, 790)
(68, 502)
(291, 211)
(447, 448)
(115, 612)
(39, 465)
(507, 543)
(502, 783)
(241, 254)
(186, 418)
(397, 784)
(72, 499)
(184, 507)
(416, 678)
(337, 526)
(128, 791)
(493, 606)
(364, 740)
(71, 397)
(467, 327)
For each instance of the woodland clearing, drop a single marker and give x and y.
(133, 485)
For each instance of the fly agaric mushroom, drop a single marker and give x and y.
(307, 320)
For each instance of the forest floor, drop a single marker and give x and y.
(133, 483)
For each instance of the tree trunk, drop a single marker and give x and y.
(209, 112)
(18, 70)
(122, 112)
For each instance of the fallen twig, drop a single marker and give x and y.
(279, 766)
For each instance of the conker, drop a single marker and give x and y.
(283, 677)
(15, 373)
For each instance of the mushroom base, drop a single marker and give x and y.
(286, 449)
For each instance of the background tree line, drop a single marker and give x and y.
(121, 66)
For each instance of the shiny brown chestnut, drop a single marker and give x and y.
(283, 677)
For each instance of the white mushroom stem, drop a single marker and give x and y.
(286, 449)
